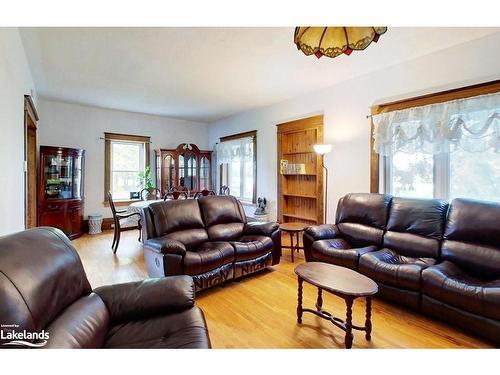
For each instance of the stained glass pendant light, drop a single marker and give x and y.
(334, 41)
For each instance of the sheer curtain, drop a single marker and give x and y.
(236, 150)
(471, 124)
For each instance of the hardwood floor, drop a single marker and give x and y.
(259, 311)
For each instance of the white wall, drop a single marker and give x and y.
(77, 126)
(15, 82)
(345, 107)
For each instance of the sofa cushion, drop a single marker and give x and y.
(361, 218)
(415, 226)
(191, 238)
(337, 251)
(389, 267)
(225, 232)
(472, 237)
(173, 215)
(251, 246)
(207, 257)
(182, 330)
(83, 325)
(446, 282)
(221, 210)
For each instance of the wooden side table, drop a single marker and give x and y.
(293, 229)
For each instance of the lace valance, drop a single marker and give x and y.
(472, 124)
(240, 149)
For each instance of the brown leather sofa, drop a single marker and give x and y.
(207, 238)
(439, 258)
(43, 287)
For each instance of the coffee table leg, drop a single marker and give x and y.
(292, 248)
(319, 301)
(368, 322)
(348, 323)
(299, 301)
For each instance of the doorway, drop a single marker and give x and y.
(30, 165)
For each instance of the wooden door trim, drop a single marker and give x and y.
(30, 151)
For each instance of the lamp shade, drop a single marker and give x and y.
(334, 41)
(322, 149)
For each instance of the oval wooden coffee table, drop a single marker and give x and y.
(342, 282)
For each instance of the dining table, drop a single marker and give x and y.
(136, 207)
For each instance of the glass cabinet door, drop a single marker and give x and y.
(169, 171)
(77, 177)
(204, 173)
(191, 172)
(182, 174)
(58, 176)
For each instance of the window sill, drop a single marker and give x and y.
(121, 203)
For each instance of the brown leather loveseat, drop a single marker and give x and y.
(440, 258)
(44, 289)
(207, 238)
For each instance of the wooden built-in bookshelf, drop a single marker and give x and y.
(300, 195)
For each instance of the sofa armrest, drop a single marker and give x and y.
(264, 229)
(322, 232)
(165, 246)
(143, 299)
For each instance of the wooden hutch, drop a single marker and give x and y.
(60, 189)
(186, 167)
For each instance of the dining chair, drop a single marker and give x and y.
(224, 190)
(175, 195)
(117, 216)
(203, 193)
(151, 191)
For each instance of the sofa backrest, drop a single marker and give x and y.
(361, 218)
(180, 220)
(415, 227)
(472, 237)
(223, 216)
(40, 276)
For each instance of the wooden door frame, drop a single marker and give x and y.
(30, 125)
(313, 122)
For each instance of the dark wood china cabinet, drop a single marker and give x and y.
(186, 167)
(60, 189)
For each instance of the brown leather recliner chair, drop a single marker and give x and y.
(207, 238)
(360, 224)
(43, 286)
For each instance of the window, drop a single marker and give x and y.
(125, 157)
(236, 157)
(445, 149)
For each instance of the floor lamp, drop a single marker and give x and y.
(322, 149)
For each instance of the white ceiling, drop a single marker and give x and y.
(205, 74)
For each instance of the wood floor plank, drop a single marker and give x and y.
(259, 310)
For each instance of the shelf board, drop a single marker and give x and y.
(298, 152)
(298, 174)
(301, 217)
(300, 196)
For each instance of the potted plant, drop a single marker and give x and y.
(147, 183)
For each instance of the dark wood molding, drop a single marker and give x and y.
(30, 108)
(434, 98)
(108, 137)
(249, 134)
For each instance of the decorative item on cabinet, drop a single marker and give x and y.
(186, 168)
(60, 189)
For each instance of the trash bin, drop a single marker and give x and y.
(95, 223)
